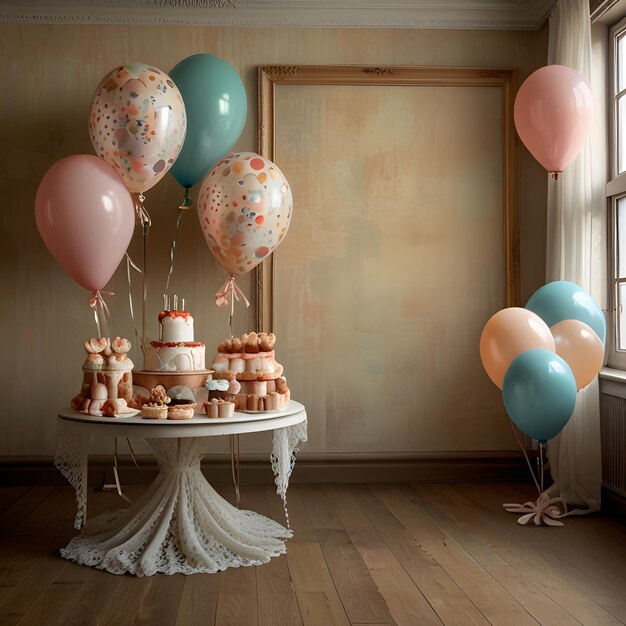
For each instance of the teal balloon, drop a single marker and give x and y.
(216, 107)
(562, 300)
(539, 393)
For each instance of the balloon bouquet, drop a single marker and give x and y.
(245, 201)
(84, 208)
(540, 356)
(142, 123)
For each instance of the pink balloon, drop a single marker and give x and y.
(506, 335)
(553, 111)
(85, 216)
(245, 207)
(579, 346)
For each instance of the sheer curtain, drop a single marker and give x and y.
(574, 253)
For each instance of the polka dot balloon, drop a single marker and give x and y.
(245, 207)
(137, 123)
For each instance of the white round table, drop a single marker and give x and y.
(180, 525)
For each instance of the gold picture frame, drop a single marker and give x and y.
(506, 79)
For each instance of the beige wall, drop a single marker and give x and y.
(47, 77)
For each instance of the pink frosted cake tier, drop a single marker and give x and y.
(247, 358)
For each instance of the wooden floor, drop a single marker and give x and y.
(361, 554)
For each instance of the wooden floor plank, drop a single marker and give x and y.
(517, 546)
(310, 575)
(443, 594)
(486, 593)
(277, 602)
(61, 499)
(8, 495)
(237, 601)
(603, 576)
(539, 605)
(320, 511)
(78, 593)
(405, 601)
(199, 600)
(13, 516)
(356, 588)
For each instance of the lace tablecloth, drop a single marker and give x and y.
(180, 525)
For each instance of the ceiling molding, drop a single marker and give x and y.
(442, 14)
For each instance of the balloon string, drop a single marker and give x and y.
(146, 222)
(97, 303)
(129, 264)
(530, 467)
(173, 247)
(230, 317)
(144, 274)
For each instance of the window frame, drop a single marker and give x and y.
(615, 191)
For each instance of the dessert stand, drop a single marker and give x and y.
(148, 380)
(180, 525)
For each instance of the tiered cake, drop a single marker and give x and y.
(255, 381)
(107, 387)
(176, 351)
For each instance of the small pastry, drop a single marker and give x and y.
(234, 387)
(253, 365)
(226, 409)
(252, 343)
(257, 387)
(241, 402)
(252, 403)
(154, 411)
(210, 408)
(271, 386)
(261, 406)
(181, 394)
(237, 345)
(271, 401)
(77, 403)
(237, 365)
(181, 411)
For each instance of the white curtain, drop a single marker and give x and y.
(574, 253)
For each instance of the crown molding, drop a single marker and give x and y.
(445, 14)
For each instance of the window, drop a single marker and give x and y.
(616, 194)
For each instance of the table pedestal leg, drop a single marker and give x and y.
(180, 525)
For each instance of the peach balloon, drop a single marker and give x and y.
(579, 346)
(508, 334)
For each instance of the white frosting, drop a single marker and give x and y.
(177, 329)
(175, 358)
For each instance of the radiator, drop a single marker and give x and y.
(613, 428)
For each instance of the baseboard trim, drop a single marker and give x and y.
(41, 471)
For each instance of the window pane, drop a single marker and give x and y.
(621, 135)
(621, 316)
(621, 62)
(621, 238)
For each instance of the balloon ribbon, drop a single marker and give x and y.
(97, 301)
(230, 288)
